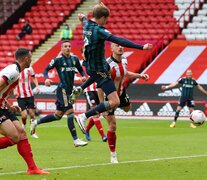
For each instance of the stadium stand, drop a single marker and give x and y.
(44, 17)
(152, 20)
(8, 7)
(197, 29)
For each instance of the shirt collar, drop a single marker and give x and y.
(18, 66)
(115, 59)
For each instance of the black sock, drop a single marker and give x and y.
(176, 115)
(71, 126)
(87, 83)
(49, 118)
(104, 106)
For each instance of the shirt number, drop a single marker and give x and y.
(85, 41)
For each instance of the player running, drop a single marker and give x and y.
(91, 95)
(95, 36)
(10, 127)
(118, 64)
(66, 65)
(25, 97)
(188, 84)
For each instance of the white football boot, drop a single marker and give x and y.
(79, 142)
(80, 119)
(114, 159)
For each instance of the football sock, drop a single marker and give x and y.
(111, 136)
(49, 118)
(25, 151)
(176, 115)
(87, 83)
(24, 120)
(99, 126)
(71, 126)
(90, 124)
(5, 142)
(102, 107)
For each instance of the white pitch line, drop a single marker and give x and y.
(106, 164)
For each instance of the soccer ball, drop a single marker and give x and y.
(197, 117)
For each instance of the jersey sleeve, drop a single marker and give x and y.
(32, 73)
(79, 67)
(104, 33)
(51, 65)
(84, 21)
(9, 73)
(180, 81)
(195, 83)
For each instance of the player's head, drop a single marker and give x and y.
(23, 56)
(82, 52)
(117, 49)
(66, 47)
(101, 13)
(189, 73)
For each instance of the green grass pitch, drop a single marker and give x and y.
(147, 149)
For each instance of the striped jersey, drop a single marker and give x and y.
(118, 71)
(24, 86)
(92, 87)
(188, 85)
(10, 74)
(94, 43)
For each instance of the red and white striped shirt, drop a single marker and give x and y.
(92, 87)
(118, 71)
(24, 86)
(10, 74)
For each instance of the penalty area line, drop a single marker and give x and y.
(107, 164)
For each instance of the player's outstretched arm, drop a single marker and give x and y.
(136, 75)
(201, 89)
(82, 18)
(172, 85)
(80, 70)
(45, 73)
(127, 43)
(34, 79)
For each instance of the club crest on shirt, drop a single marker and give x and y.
(74, 63)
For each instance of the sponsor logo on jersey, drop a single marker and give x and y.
(143, 110)
(188, 85)
(68, 69)
(87, 33)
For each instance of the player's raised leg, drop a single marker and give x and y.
(57, 116)
(113, 101)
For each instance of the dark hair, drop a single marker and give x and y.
(21, 52)
(64, 41)
(100, 10)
